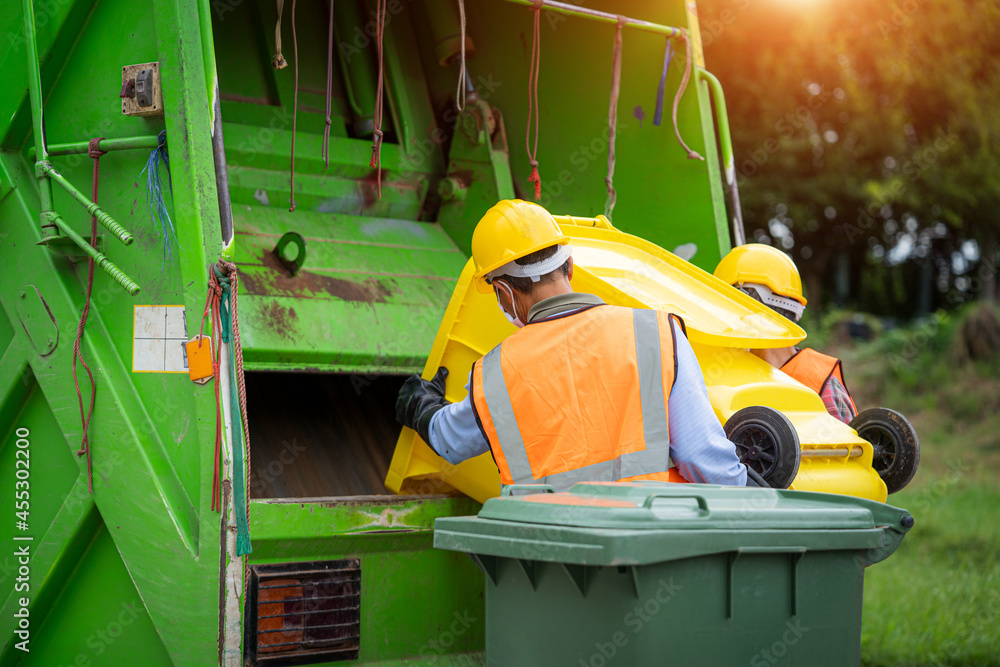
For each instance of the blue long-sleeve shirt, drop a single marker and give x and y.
(698, 445)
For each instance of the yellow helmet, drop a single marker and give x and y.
(510, 230)
(761, 264)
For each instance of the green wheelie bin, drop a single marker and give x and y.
(673, 574)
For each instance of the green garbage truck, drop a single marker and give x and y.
(229, 229)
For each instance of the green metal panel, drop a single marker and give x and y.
(55, 467)
(149, 470)
(99, 617)
(36, 320)
(369, 296)
(378, 276)
(478, 170)
(265, 142)
(662, 195)
(6, 336)
(417, 603)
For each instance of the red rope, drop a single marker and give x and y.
(229, 269)
(213, 300)
(376, 161)
(616, 86)
(278, 61)
(460, 91)
(212, 310)
(533, 68)
(295, 106)
(93, 151)
(329, 90)
(692, 155)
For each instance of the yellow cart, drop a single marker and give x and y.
(780, 426)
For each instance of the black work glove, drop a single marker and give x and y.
(418, 401)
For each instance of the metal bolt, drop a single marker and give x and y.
(23, 295)
(49, 342)
(472, 130)
(451, 188)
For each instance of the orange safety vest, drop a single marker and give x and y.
(814, 369)
(580, 397)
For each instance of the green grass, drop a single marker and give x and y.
(936, 601)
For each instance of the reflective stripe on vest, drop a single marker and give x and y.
(655, 458)
(813, 369)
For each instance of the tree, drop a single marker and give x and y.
(866, 136)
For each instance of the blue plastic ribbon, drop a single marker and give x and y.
(154, 196)
(667, 57)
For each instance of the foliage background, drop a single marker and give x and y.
(866, 137)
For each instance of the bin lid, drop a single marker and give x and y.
(629, 271)
(645, 522)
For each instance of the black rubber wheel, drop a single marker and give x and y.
(897, 448)
(767, 443)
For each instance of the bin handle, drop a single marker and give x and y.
(539, 488)
(702, 503)
(772, 550)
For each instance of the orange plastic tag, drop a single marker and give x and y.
(199, 358)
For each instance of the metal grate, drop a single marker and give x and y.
(304, 613)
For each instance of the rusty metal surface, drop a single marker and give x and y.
(306, 284)
(368, 297)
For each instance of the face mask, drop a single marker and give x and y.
(516, 321)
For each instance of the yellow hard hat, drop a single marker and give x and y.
(510, 230)
(763, 265)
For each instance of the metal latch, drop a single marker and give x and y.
(144, 88)
(141, 92)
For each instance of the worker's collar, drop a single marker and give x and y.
(562, 304)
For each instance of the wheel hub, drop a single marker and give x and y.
(884, 447)
(756, 449)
